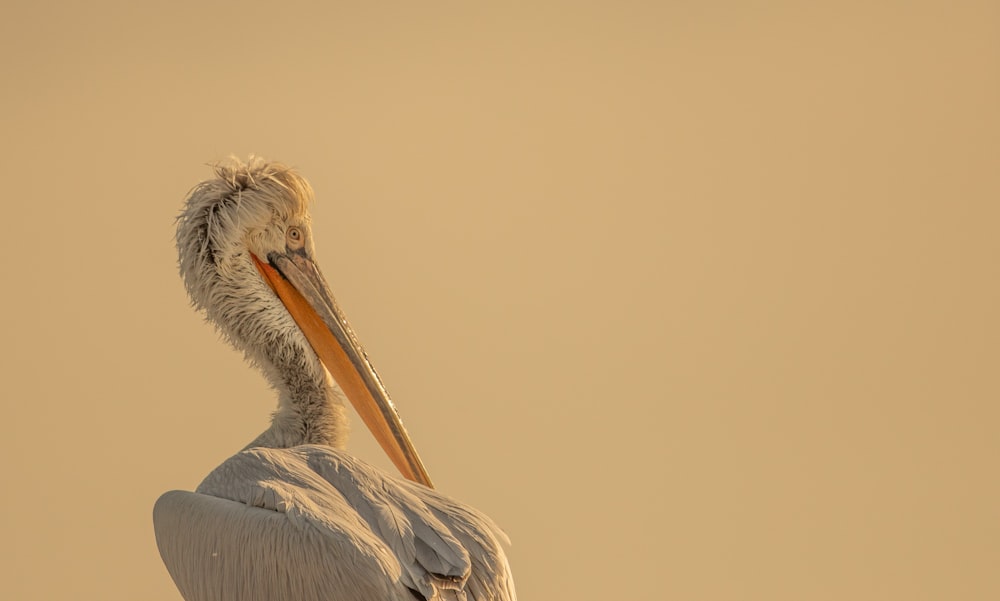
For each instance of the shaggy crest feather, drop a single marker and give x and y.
(219, 214)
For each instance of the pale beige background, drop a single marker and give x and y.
(697, 300)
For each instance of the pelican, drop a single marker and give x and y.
(292, 516)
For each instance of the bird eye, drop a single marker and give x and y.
(295, 237)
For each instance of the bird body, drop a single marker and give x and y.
(293, 515)
(299, 523)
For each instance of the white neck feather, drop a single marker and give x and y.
(310, 404)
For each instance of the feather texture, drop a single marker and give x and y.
(292, 516)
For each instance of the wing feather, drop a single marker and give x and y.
(312, 522)
(220, 550)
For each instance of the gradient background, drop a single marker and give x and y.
(697, 300)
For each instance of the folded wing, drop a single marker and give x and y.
(311, 522)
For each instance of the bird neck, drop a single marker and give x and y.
(310, 404)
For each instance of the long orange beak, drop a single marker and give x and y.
(304, 292)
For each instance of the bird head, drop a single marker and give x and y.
(247, 209)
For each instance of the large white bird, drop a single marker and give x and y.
(292, 516)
